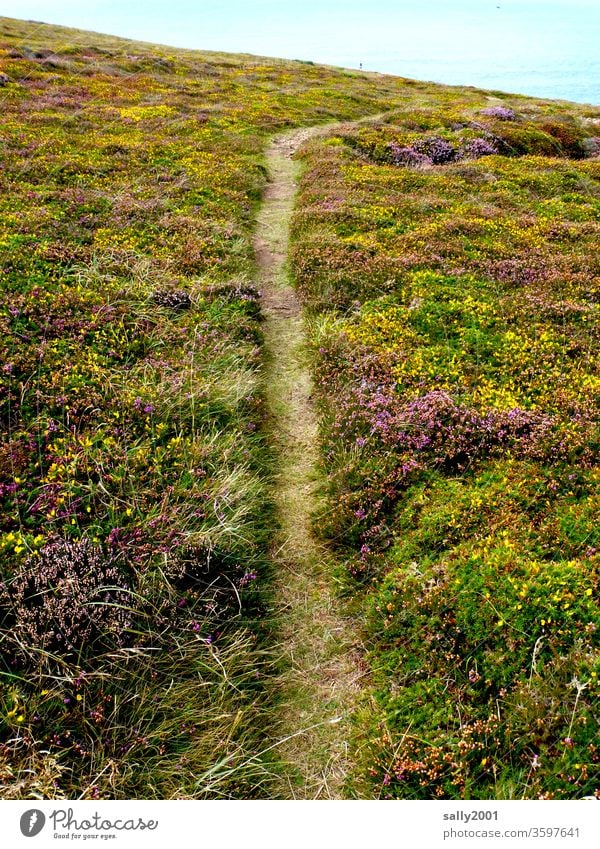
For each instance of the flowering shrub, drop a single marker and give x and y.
(408, 156)
(446, 138)
(502, 113)
(476, 148)
(591, 146)
(175, 299)
(437, 149)
(67, 597)
(490, 621)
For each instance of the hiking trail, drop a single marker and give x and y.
(318, 685)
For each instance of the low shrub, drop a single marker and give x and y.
(502, 113)
(68, 597)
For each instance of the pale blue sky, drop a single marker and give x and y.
(538, 46)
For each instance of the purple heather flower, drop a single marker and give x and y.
(476, 148)
(408, 156)
(436, 148)
(503, 113)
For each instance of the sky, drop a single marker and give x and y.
(515, 44)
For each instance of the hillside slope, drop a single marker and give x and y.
(136, 470)
(449, 260)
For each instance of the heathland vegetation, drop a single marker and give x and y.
(446, 257)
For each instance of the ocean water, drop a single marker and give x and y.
(545, 48)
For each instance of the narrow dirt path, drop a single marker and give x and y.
(319, 682)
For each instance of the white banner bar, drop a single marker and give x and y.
(279, 824)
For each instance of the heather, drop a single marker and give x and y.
(447, 257)
(134, 472)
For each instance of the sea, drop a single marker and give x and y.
(544, 48)
(535, 47)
